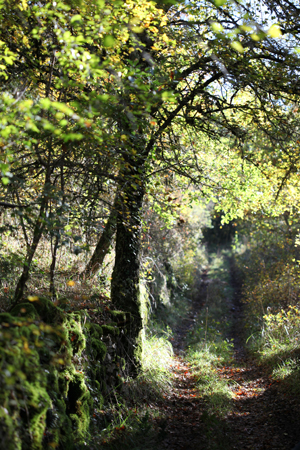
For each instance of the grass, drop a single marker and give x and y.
(278, 348)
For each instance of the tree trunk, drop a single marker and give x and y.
(58, 225)
(125, 293)
(53, 265)
(104, 244)
(37, 234)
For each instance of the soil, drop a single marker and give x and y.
(263, 416)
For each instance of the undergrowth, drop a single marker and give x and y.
(270, 268)
(70, 287)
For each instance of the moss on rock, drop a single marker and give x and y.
(120, 317)
(79, 405)
(110, 330)
(25, 310)
(54, 372)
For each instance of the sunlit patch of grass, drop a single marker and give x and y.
(214, 389)
(279, 347)
(286, 369)
(155, 377)
(280, 335)
(288, 373)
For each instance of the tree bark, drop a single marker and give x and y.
(125, 292)
(53, 265)
(37, 234)
(104, 244)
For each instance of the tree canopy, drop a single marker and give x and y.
(106, 104)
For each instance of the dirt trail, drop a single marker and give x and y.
(183, 408)
(262, 417)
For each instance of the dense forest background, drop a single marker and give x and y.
(149, 155)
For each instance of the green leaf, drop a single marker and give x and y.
(64, 108)
(5, 180)
(168, 95)
(109, 41)
(220, 2)
(73, 137)
(45, 103)
(76, 20)
(217, 27)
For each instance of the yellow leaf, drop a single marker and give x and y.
(237, 46)
(24, 5)
(60, 361)
(25, 40)
(70, 283)
(255, 37)
(216, 27)
(246, 28)
(33, 298)
(137, 29)
(26, 347)
(274, 31)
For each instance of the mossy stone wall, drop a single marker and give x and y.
(55, 369)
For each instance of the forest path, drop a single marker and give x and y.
(183, 408)
(261, 416)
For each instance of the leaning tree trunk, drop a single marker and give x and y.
(104, 244)
(125, 293)
(37, 234)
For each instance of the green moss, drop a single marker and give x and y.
(79, 404)
(139, 347)
(38, 402)
(94, 329)
(32, 383)
(10, 438)
(23, 393)
(47, 311)
(110, 330)
(25, 310)
(96, 348)
(44, 398)
(75, 333)
(120, 317)
(99, 349)
(6, 318)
